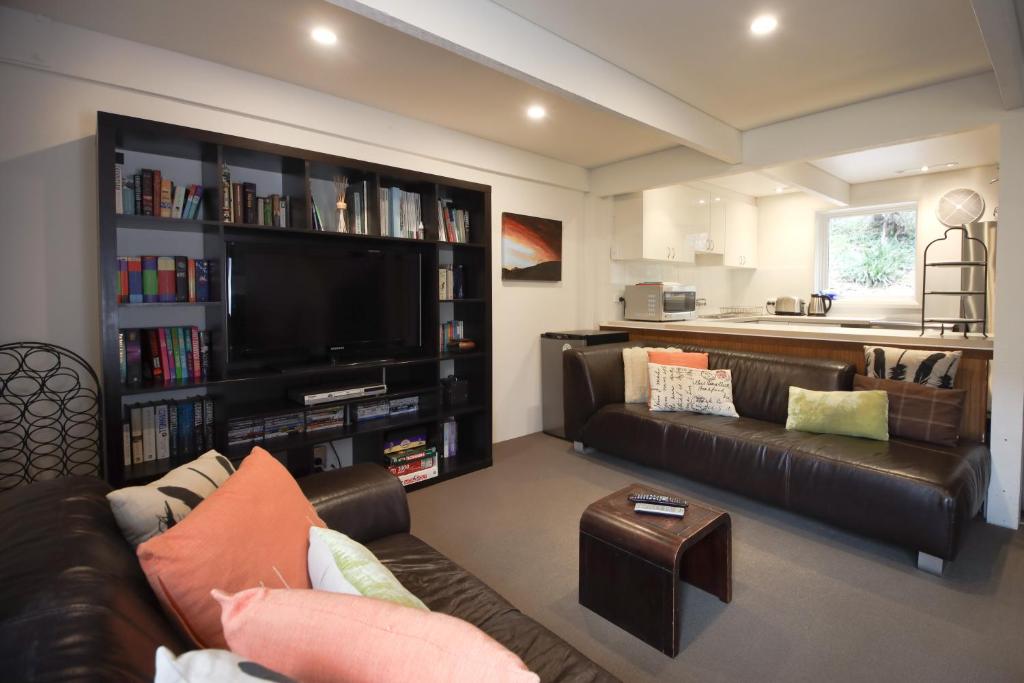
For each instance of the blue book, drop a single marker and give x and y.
(202, 280)
(186, 429)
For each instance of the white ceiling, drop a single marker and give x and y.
(750, 184)
(972, 148)
(371, 63)
(825, 53)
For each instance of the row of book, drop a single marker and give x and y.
(176, 431)
(148, 193)
(452, 223)
(163, 279)
(241, 204)
(451, 281)
(411, 458)
(163, 355)
(400, 213)
(453, 330)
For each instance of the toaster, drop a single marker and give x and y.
(786, 305)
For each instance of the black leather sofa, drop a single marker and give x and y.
(913, 494)
(75, 605)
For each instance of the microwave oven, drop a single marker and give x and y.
(660, 301)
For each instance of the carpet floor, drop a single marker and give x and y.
(810, 602)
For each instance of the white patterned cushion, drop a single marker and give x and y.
(933, 368)
(634, 364)
(676, 388)
(211, 666)
(142, 512)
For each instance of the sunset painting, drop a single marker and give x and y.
(531, 248)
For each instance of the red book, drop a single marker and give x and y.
(165, 279)
(165, 355)
(147, 193)
(157, 184)
(191, 280)
(412, 466)
(196, 370)
(122, 279)
(153, 342)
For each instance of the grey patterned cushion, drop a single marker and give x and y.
(934, 368)
(142, 512)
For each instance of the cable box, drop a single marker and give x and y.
(312, 397)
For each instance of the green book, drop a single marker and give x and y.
(150, 280)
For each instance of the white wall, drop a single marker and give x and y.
(48, 232)
(787, 231)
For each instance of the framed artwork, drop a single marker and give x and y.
(531, 248)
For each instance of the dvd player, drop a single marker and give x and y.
(312, 397)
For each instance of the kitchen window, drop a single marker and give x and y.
(869, 254)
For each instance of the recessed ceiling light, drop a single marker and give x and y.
(324, 35)
(952, 164)
(701, 201)
(536, 112)
(763, 25)
(780, 189)
(718, 199)
(924, 169)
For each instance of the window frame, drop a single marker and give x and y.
(821, 252)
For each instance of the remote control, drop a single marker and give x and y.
(669, 510)
(656, 499)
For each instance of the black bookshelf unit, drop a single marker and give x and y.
(192, 156)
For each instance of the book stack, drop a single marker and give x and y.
(148, 193)
(249, 429)
(241, 204)
(449, 439)
(400, 213)
(452, 223)
(324, 417)
(163, 279)
(163, 355)
(244, 430)
(284, 424)
(176, 431)
(453, 330)
(410, 459)
(451, 282)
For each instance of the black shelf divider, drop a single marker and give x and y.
(420, 375)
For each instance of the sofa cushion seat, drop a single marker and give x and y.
(907, 492)
(446, 587)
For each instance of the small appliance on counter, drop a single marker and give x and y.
(660, 302)
(821, 304)
(786, 305)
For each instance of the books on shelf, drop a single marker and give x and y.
(452, 223)
(451, 282)
(450, 439)
(400, 213)
(163, 279)
(147, 193)
(241, 204)
(408, 457)
(164, 355)
(358, 208)
(176, 431)
(453, 330)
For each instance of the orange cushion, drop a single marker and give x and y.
(252, 531)
(684, 359)
(321, 637)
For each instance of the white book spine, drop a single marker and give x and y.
(163, 435)
(148, 433)
(118, 188)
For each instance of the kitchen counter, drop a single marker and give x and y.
(814, 328)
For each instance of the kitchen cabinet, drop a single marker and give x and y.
(731, 232)
(740, 250)
(653, 225)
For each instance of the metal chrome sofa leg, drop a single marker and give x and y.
(580, 448)
(930, 563)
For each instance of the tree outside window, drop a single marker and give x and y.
(871, 254)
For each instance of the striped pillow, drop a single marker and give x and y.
(919, 412)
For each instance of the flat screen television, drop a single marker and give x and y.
(297, 304)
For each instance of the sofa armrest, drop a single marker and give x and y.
(592, 377)
(364, 501)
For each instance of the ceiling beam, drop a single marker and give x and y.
(812, 180)
(949, 107)
(1001, 30)
(492, 35)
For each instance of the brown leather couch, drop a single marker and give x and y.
(75, 605)
(913, 494)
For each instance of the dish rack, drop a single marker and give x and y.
(963, 320)
(741, 310)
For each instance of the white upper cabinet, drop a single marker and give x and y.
(740, 249)
(653, 225)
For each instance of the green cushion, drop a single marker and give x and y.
(363, 570)
(852, 413)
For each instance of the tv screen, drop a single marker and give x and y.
(302, 304)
